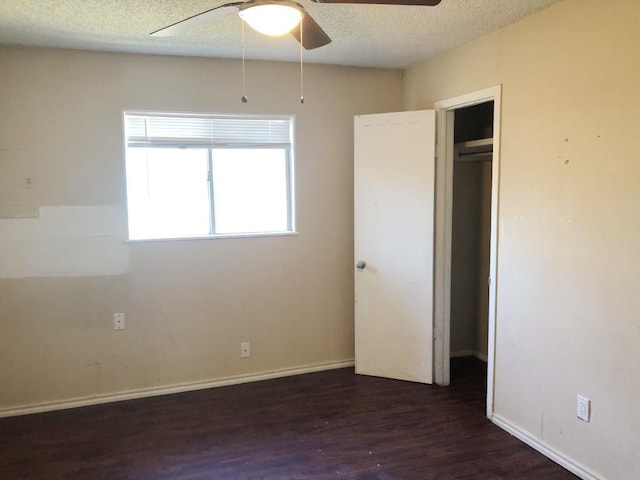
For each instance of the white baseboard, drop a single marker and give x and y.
(461, 353)
(481, 356)
(168, 389)
(549, 452)
(468, 353)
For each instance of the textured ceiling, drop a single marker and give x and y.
(363, 35)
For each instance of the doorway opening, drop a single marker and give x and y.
(470, 247)
(466, 239)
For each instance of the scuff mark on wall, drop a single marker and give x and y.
(16, 182)
(64, 241)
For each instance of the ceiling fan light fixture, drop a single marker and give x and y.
(273, 19)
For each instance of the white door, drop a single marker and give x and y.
(394, 207)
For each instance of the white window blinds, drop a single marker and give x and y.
(157, 130)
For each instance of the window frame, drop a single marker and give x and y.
(210, 145)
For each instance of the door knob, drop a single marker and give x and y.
(361, 265)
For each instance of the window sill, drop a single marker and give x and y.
(213, 237)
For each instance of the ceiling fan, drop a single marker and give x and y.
(278, 17)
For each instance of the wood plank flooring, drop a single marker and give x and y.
(327, 425)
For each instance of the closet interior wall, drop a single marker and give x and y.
(471, 235)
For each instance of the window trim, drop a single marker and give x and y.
(210, 146)
(223, 236)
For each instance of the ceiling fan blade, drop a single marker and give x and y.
(194, 20)
(424, 3)
(312, 34)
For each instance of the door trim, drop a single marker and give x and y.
(443, 231)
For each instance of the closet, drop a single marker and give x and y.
(471, 229)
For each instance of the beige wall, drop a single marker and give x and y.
(569, 222)
(189, 304)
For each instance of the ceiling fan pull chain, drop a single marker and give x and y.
(244, 76)
(301, 68)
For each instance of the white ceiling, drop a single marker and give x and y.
(363, 35)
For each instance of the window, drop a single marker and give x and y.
(208, 175)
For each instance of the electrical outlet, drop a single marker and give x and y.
(583, 408)
(245, 350)
(118, 321)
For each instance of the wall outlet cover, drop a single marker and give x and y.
(118, 321)
(583, 408)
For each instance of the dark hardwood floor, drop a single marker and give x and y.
(330, 424)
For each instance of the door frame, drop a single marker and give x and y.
(443, 233)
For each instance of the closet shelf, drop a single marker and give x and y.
(474, 150)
